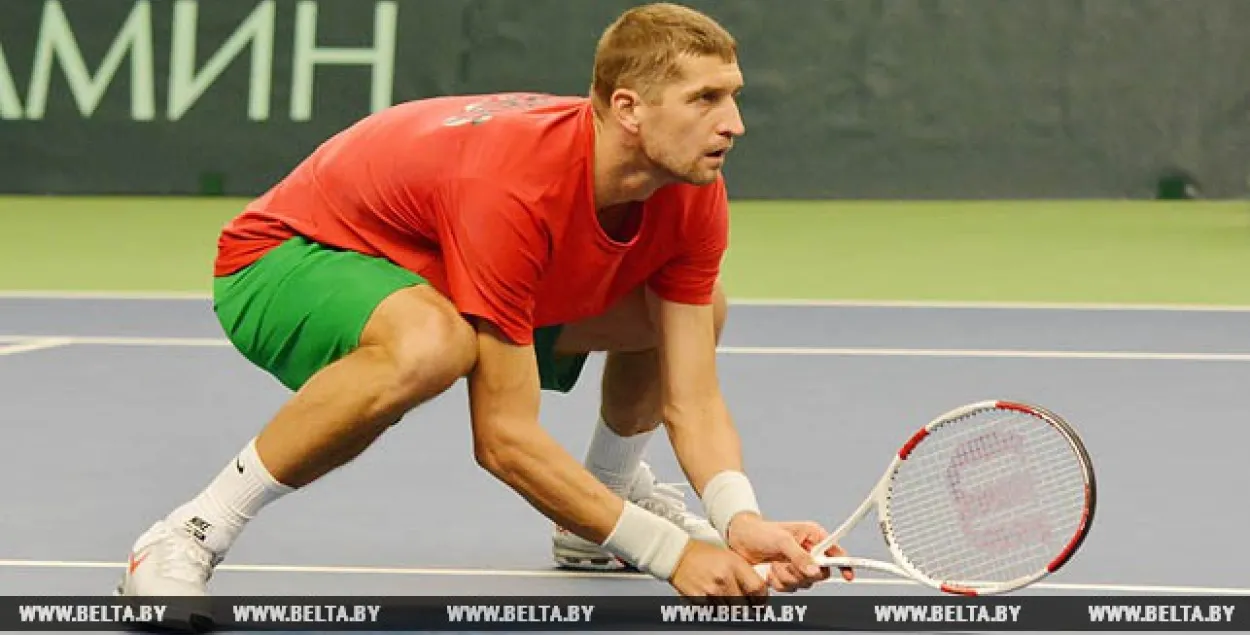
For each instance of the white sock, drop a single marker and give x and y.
(614, 459)
(217, 515)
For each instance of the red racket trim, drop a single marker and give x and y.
(1076, 541)
(912, 443)
(1019, 407)
(958, 590)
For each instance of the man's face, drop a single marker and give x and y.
(689, 125)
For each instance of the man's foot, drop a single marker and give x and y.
(663, 499)
(167, 561)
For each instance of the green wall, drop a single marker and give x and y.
(883, 99)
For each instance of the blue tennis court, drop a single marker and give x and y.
(119, 408)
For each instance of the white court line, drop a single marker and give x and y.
(731, 350)
(590, 575)
(970, 304)
(35, 294)
(1034, 354)
(29, 344)
(38, 294)
(126, 341)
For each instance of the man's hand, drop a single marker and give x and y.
(707, 572)
(785, 545)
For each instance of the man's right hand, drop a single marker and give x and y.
(707, 571)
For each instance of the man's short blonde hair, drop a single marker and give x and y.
(641, 49)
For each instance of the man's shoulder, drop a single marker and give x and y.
(487, 112)
(531, 146)
(508, 108)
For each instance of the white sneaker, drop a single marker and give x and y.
(663, 499)
(167, 561)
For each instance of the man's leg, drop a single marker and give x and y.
(628, 417)
(630, 404)
(361, 343)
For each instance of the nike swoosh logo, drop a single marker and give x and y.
(135, 562)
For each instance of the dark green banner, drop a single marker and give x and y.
(844, 99)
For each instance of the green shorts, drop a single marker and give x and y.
(304, 305)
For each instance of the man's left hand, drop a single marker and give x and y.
(785, 545)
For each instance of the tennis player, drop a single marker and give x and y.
(500, 239)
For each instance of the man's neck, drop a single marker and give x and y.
(621, 176)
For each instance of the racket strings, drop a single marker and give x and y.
(988, 498)
(982, 564)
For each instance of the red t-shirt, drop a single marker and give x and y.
(491, 199)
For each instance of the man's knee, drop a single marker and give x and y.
(631, 377)
(629, 325)
(424, 339)
(631, 391)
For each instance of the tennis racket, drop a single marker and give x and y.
(987, 498)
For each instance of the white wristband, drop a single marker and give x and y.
(728, 494)
(648, 542)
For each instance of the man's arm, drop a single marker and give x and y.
(709, 449)
(510, 443)
(701, 429)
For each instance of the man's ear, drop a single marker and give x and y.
(625, 104)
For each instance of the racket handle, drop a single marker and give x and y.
(764, 569)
